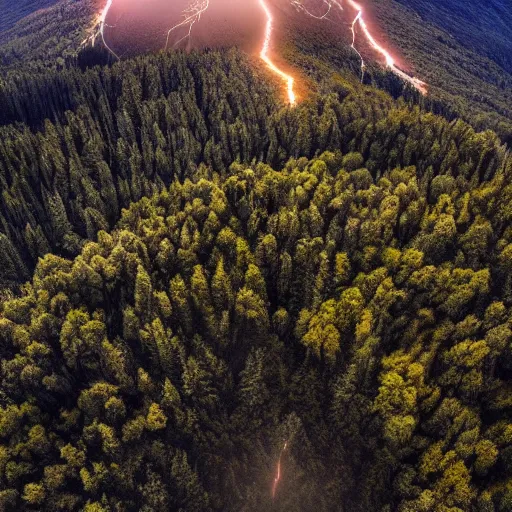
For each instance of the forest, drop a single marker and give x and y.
(357, 318)
(461, 48)
(70, 162)
(15, 11)
(484, 27)
(47, 38)
(213, 302)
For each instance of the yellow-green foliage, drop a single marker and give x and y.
(354, 316)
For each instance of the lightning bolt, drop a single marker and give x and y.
(301, 7)
(390, 62)
(360, 21)
(264, 55)
(99, 29)
(277, 478)
(353, 45)
(191, 15)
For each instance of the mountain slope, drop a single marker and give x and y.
(462, 82)
(484, 27)
(11, 12)
(469, 84)
(48, 38)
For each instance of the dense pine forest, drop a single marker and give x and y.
(460, 48)
(77, 147)
(203, 289)
(485, 27)
(14, 11)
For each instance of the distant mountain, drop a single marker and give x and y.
(456, 50)
(462, 50)
(485, 27)
(48, 37)
(14, 11)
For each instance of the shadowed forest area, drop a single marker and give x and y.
(472, 78)
(15, 11)
(485, 27)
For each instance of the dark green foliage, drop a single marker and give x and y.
(14, 11)
(121, 133)
(48, 38)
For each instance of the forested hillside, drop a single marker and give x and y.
(363, 317)
(14, 11)
(464, 81)
(463, 76)
(49, 38)
(213, 302)
(485, 27)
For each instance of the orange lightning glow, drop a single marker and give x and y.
(278, 471)
(191, 15)
(264, 55)
(360, 21)
(99, 29)
(390, 62)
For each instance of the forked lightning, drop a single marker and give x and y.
(359, 21)
(99, 29)
(193, 13)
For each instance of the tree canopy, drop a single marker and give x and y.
(356, 317)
